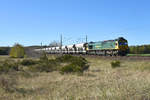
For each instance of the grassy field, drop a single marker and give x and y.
(143, 55)
(130, 81)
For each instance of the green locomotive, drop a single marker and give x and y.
(117, 47)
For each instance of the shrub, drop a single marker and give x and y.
(43, 67)
(80, 61)
(115, 64)
(17, 51)
(28, 62)
(8, 65)
(65, 58)
(65, 64)
(72, 59)
(75, 64)
(70, 68)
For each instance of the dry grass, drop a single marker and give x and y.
(131, 81)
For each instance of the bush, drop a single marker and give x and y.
(65, 58)
(44, 65)
(28, 62)
(115, 64)
(17, 51)
(75, 64)
(8, 65)
(65, 64)
(72, 59)
(70, 68)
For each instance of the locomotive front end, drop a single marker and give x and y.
(123, 46)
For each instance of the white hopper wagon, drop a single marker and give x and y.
(80, 48)
(71, 49)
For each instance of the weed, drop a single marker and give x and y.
(8, 65)
(115, 64)
(28, 62)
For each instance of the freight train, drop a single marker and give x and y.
(116, 47)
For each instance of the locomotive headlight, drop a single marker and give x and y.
(116, 45)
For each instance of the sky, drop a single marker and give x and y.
(30, 22)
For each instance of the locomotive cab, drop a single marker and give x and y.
(123, 46)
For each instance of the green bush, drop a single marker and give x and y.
(65, 58)
(44, 65)
(71, 68)
(28, 62)
(65, 64)
(75, 64)
(72, 59)
(17, 51)
(115, 64)
(8, 65)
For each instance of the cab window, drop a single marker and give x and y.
(90, 47)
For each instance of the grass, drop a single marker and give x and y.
(143, 55)
(131, 81)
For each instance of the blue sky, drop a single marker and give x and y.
(30, 22)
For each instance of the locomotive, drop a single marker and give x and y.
(116, 47)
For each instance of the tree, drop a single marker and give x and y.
(17, 51)
(4, 50)
(143, 49)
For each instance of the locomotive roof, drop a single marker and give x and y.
(120, 38)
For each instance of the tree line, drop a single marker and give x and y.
(143, 49)
(4, 50)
